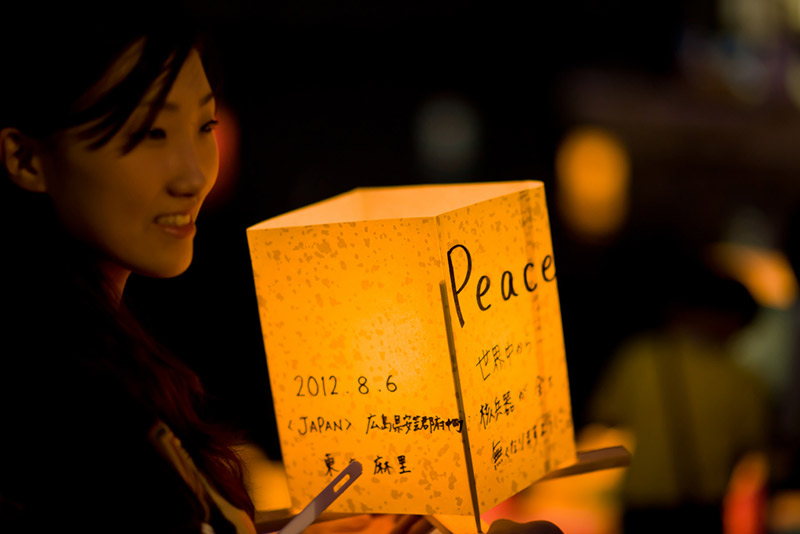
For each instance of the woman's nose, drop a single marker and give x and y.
(196, 172)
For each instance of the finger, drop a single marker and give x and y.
(506, 526)
(421, 526)
(404, 524)
(348, 524)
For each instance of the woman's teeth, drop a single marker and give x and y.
(174, 220)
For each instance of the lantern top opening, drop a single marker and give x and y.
(379, 203)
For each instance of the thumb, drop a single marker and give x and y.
(506, 526)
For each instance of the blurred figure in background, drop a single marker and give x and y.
(692, 411)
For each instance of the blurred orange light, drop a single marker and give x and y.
(593, 171)
(745, 501)
(227, 135)
(784, 511)
(765, 273)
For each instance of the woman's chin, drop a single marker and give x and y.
(165, 269)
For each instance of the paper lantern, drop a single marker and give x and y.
(418, 331)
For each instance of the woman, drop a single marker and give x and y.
(107, 152)
(106, 155)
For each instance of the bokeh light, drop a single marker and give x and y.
(447, 136)
(593, 171)
(227, 134)
(765, 273)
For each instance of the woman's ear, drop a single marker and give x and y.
(18, 156)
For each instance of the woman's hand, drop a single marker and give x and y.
(505, 526)
(418, 524)
(374, 524)
(411, 524)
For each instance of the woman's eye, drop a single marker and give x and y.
(156, 133)
(210, 126)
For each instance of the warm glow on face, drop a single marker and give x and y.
(593, 173)
(138, 209)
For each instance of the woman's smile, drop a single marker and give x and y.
(180, 225)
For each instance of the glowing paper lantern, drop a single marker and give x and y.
(418, 331)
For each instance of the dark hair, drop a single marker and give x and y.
(50, 282)
(55, 63)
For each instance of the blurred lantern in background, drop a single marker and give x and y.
(227, 134)
(765, 273)
(744, 509)
(447, 137)
(593, 173)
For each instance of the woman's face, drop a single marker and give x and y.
(138, 209)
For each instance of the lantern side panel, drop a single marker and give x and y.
(358, 361)
(500, 274)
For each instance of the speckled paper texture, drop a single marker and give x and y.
(357, 345)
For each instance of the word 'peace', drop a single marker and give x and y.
(484, 282)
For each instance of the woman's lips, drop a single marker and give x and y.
(176, 224)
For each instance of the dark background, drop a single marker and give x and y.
(325, 96)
